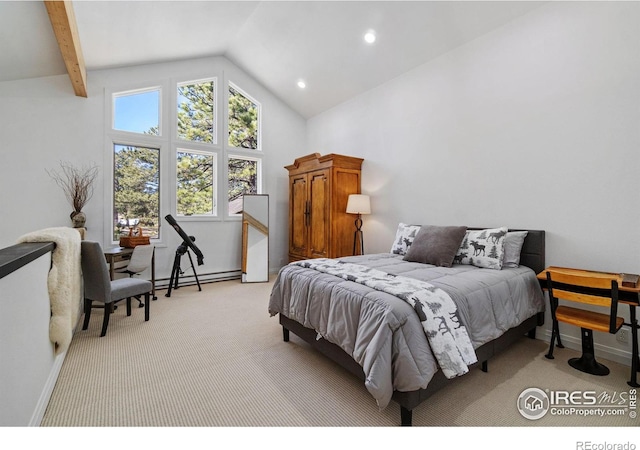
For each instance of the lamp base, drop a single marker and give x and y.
(358, 237)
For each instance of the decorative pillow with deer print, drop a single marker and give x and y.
(404, 238)
(482, 248)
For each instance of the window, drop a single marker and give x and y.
(144, 185)
(196, 106)
(196, 157)
(137, 112)
(243, 179)
(244, 120)
(136, 183)
(195, 182)
(136, 138)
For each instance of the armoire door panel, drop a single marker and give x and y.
(319, 201)
(298, 216)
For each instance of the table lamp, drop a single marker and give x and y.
(358, 204)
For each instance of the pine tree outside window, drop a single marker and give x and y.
(243, 179)
(244, 120)
(196, 111)
(136, 198)
(195, 183)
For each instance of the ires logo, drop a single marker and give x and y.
(575, 398)
(591, 398)
(535, 403)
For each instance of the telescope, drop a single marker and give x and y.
(188, 242)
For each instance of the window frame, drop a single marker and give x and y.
(160, 186)
(216, 148)
(114, 136)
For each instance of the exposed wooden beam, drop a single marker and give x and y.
(63, 21)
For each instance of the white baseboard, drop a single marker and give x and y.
(50, 384)
(47, 390)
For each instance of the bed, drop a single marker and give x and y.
(350, 310)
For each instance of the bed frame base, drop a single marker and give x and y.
(410, 400)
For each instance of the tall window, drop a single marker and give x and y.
(196, 157)
(136, 133)
(136, 199)
(244, 138)
(195, 183)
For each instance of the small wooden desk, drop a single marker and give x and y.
(628, 295)
(117, 254)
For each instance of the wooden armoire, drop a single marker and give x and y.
(319, 187)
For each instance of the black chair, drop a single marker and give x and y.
(584, 289)
(99, 288)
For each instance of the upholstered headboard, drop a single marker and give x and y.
(533, 250)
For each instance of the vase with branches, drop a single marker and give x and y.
(77, 185)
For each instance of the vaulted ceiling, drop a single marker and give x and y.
(276, 42)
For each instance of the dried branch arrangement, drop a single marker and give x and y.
(76, 183)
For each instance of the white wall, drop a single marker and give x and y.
(44, 123)
(29, 367)
(535, 125)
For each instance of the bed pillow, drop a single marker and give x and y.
(512, 248)
(404, 238)
(436, 245)
(482, 248)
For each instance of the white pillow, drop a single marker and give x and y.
(513, 247)
(404, 238)
(482, 248)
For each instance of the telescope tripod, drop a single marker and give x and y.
(176, 271)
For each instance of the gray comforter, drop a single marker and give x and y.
(382, 333)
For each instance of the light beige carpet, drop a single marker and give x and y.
(216, 359)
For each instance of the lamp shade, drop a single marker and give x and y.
(358, 204)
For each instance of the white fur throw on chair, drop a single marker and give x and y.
(64, 282)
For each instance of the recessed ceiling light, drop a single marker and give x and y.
(370, 37)
(302, 84)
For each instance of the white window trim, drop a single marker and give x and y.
(109, 180)
(120, 137)
(215, 148)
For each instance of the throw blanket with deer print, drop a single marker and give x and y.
(449, 340)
